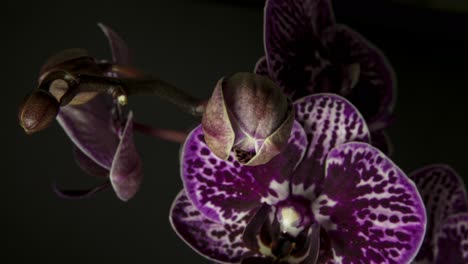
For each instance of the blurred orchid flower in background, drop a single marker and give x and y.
(307, 52)
(444, 194)
(100, 128)
(326, 197)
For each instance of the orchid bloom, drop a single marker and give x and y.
(443, 193)
(306, 52)
(101, 132)
(328, 197)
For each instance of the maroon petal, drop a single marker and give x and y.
(373, 92)
(452, 240)
(126, 172)
(121, 54)
(224, 190)
(220, 242)
(328, 120)
(443, 193)
(292, 44)
(89, 127)
(371, 210)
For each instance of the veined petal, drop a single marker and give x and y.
(328, 120)
(220, 242)
(89, 127)
(452, 240)
(126, 172)
(121, 54)
(224, 190)
(443, 193)
(371, 210)
(374, 92)
(292, 43)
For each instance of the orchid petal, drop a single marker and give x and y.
(89, 127)
(61, 57)
(121, 54)
(221, 242)
(292, 43)
(370, 209)
(452, 240)
(224, 190)
(88, 165)
(443, 193)
(261, 67)
(126, 172)
(374, 92)
(328, 120)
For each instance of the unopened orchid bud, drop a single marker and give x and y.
(37, 111)
(250, 115)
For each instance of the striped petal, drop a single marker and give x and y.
(328, 120)
(452, 240)
(292, 44)
(371, 88)
(220, 242)
(224, 190)
(370, 209)
(443, 193)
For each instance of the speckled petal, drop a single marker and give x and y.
(215, 241)
(452, 240)
(443, 193)
(293, 49)
(121, 54)
(374, 92)
(224, 190)
(89, 127)
(126, 172)
(368, 200)
(261, 67)
(328, 120)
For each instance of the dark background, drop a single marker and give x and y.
(192, 44)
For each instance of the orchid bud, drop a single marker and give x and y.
(250, 115)
(37, 111)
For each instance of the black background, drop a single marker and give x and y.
(191, 44)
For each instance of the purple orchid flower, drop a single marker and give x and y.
(443, 193)
(307, 52)
(102, 132)
(329, 197)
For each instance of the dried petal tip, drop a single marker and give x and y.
(250, 115)
(37, 111)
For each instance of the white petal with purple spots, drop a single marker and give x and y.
(370, 209)
(215, 241)
(328, 120)
(224, 190)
